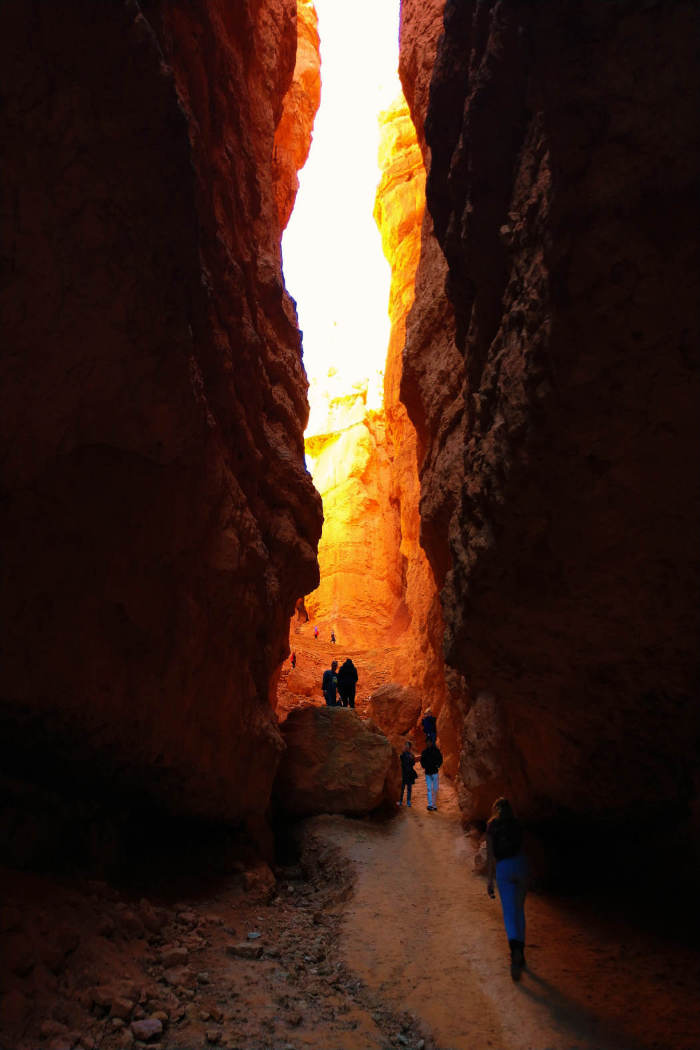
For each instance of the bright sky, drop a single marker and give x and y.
(333, 261)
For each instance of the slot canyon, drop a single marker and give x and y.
(196, 850)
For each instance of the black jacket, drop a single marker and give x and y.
(431, 759)
(408, 773)
(347, 675)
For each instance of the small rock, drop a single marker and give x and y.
(179, 976)
(131, 924)
(213, 1035)
(118, 1023)
(253, 935)
(121, 1008)
(204, 1015)
(187, 918)
(147, 1029)
(162, 1016)
(50, 1028)
(203, 977)
(217, 1014)
(295, 1019)
(244, 950)
(174, 956)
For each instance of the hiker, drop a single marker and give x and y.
(347, 680)
(330, 684)
(333, 637)
(408, 773)
(431, 760)
(293, 660)
(315, 632)
(429, 726)
(506, 864)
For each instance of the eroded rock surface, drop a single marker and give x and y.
(560, 510)
(158, 522)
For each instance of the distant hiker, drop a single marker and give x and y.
(506, 863)
(347, 680)
(431, 760)
(333, 637)
(315, 632)
(408, 773)
(429, 726)
(293, 660)
(330, 684)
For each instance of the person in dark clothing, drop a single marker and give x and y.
(329, 684)
(333, 637)
(506, 864)
(347, 681)
(293, 660)
(429, 726)
(315, 632)
(408, 773)
(431, 760)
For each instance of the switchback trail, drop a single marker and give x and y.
(421, 933)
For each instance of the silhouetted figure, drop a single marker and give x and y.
(429, 726)
(315, 632)
(506, 863)
(293, 660)
(347, 681)
(333, 637)
(329, 684)
(431, 760)
(408, 773)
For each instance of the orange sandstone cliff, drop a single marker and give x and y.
(558, 428)
(158, 521)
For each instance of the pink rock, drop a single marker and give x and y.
(147, 1029)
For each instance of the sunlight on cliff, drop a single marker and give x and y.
(333, 261)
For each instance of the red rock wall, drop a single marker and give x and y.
(561, 510)
(158, 522)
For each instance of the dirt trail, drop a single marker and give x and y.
(421, 933)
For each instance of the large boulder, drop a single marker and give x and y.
(396, 710)
(335, 763)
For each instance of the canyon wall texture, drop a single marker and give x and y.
(563, 160)
(158, 522)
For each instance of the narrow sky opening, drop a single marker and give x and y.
(333, 261)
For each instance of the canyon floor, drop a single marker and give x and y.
(377, 935)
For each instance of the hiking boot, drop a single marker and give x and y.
(516, 960)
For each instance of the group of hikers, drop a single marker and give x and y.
(339, 684)
(506, 866)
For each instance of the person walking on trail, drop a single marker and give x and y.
(429, 726)
(506, 864)
(431, 760)
(333, 637)
(315, 632)
(329, 684)
(347, 681)
(293, 660)
(408, 773)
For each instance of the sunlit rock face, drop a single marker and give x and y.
(158, 522)
(360, 594)
(399, 213)
(376, 583)
(563, 164)
(301, 102)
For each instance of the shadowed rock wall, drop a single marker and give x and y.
(561, 511)
(157, 521)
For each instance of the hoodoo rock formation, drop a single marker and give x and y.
(559, 432)
(158, 522)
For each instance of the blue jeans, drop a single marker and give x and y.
(432, 784)
(511, 878)
(409, 789)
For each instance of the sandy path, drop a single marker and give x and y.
(421, 933)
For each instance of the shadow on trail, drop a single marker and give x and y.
(568, 1016)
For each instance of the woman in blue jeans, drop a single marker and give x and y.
(507, 865)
